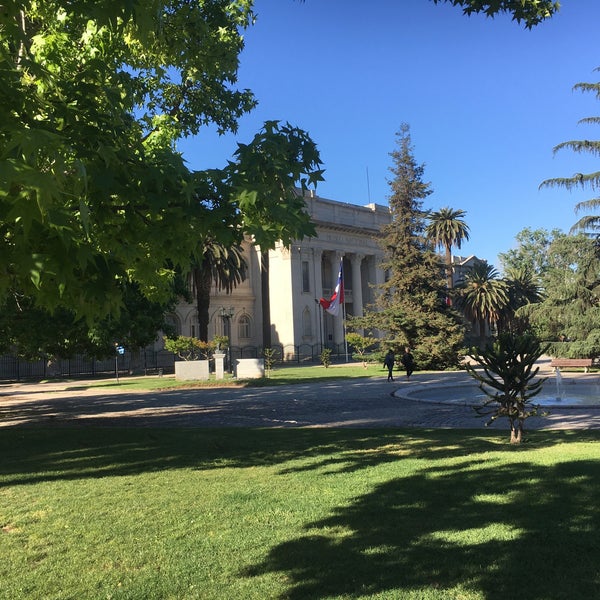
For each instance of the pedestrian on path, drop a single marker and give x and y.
(408, 361)
(389, 361)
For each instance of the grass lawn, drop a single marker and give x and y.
(280, 375)
(298, 513)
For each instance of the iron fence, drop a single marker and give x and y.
(150, 362)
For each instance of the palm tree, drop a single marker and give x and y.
(226, 267)
(482, 296)
(446, 229)
(523, 288)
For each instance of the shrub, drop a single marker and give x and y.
(189, 348)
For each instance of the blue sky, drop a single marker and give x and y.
(486, 101)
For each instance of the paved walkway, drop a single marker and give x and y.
(342, 403)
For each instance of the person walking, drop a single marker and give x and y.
(408, 361)
(389, 361)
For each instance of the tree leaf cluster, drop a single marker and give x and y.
(528, 12)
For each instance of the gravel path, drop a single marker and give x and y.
(342, 403)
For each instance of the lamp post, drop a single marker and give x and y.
(319, 309)
(227, 315)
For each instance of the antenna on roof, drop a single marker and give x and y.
(368, 187)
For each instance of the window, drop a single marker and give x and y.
(305, 277)
(244, 327)
(306, 323)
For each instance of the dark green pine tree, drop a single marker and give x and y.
(412, 305)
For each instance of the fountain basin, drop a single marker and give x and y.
(572, 394)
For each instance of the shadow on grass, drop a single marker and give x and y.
(518, 531)
(31, 454)
(471, 525)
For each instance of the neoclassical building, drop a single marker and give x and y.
(299, 276)
(302, 274)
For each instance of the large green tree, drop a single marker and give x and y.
(411, 307)
(530, 252)
(569, 314)
(447, 228)
(93, 99)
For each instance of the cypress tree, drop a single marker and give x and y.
(412, 308)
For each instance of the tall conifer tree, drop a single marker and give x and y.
(411, 307)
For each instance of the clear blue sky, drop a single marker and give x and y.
(486, 100)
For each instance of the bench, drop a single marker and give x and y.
(586, 363)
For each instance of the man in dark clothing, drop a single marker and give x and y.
(409, 362)
(389, 362)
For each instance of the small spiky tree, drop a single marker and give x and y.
(509, 379)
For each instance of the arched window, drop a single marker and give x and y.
(244, 327)
(306, 323)
(172, 320)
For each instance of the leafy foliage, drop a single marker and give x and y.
(509, 379)
(531, 251)
(93, 194)
(570, 310)
(529, 12)
(325, 357)
(361, 344)
(189, 348)
(32, 332)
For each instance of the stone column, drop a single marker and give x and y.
(219, 365)
(357, 299)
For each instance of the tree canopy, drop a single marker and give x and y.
(93, 194)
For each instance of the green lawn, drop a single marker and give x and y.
(298, 513)
(281, 375)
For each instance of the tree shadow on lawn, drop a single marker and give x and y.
(519, 531)
(32, 455)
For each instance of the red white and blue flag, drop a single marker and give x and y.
(332, 306)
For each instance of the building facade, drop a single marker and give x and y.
(299, 275)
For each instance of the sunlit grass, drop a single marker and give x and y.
(242, 513)
(281, 375)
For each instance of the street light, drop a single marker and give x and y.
(227, 315)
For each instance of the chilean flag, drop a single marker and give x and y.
(332, 306)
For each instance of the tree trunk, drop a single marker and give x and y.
(482, 324)
(449, 280)
(202, 282)
(516, 432)
(265, 298)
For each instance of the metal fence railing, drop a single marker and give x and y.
(150, 362)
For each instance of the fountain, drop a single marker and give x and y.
(558, 391)
(558, 378)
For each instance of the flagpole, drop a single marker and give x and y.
(344, 309)
(344, 326)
